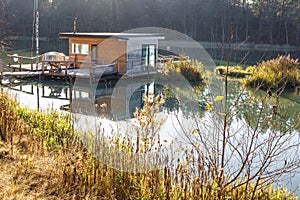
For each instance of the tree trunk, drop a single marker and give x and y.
(271, 33)
(297, 34)
(286, 32)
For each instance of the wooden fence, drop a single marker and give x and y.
(21, 59)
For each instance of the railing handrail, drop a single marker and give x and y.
(25, 57)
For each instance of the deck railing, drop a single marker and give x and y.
(21, 60)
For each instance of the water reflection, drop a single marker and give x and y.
(120, 103)
(39, 95)
(109, 104)
(278, 112)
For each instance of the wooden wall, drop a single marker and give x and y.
(112, 50)
(108, 51)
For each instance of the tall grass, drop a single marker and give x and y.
(78, 174)
(279, 73)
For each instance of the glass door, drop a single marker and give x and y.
(148, 56)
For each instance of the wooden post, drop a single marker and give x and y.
(20, 64)
(43, 67)
(37, 61)
(9, 60)
(75, 61)
(71, 102)
(31, 63)
(1, 70)
(75, 25)
(38, 97)
(92, 71)
(71, 93)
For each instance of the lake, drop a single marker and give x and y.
(116, 105)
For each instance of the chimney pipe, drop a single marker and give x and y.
(75, 25)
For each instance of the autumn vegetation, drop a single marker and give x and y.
(42, 157)
(192, 70)
(281, 72)
(275, 74)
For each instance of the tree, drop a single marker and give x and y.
(5, 23)
(288, 12)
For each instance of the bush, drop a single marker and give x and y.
(236, 71)
(279, 73)
(191, 70)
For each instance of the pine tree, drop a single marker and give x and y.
(5, 19)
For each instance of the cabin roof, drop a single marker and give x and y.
(108, 35)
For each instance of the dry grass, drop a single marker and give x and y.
(40, 160)
(28, 175)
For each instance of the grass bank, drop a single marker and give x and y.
(41, 157)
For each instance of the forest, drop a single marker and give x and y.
(255, 21)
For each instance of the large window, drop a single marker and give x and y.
(80, 48)
(148, 55)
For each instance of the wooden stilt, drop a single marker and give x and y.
(1, 71)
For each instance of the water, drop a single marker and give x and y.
(114, 115)
(40, 96)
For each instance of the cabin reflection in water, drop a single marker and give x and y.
(111, 100)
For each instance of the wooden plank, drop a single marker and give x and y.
(24, 67)
(26, 73)
(25, 57)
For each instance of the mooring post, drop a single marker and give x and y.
(71, 102)
(71, 92)
(9, 58)
(31, 64)
(1, 70)
(20, 64)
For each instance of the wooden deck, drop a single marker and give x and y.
(21, 74)
(25, 67)
(65, 69)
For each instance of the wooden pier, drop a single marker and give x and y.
(24, 63)
(33, 67)
(22, 66)
(21, 74)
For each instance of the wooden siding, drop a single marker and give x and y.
(113, 50)
(108, 51)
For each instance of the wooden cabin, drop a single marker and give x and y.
(123, 51)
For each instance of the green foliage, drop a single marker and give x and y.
(50, 127)
(9, 119)
(279, 73)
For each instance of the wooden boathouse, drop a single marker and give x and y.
(92, 54)
(127, 51)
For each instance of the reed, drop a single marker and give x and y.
(50, 161)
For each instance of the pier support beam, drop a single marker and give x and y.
(1, 70)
